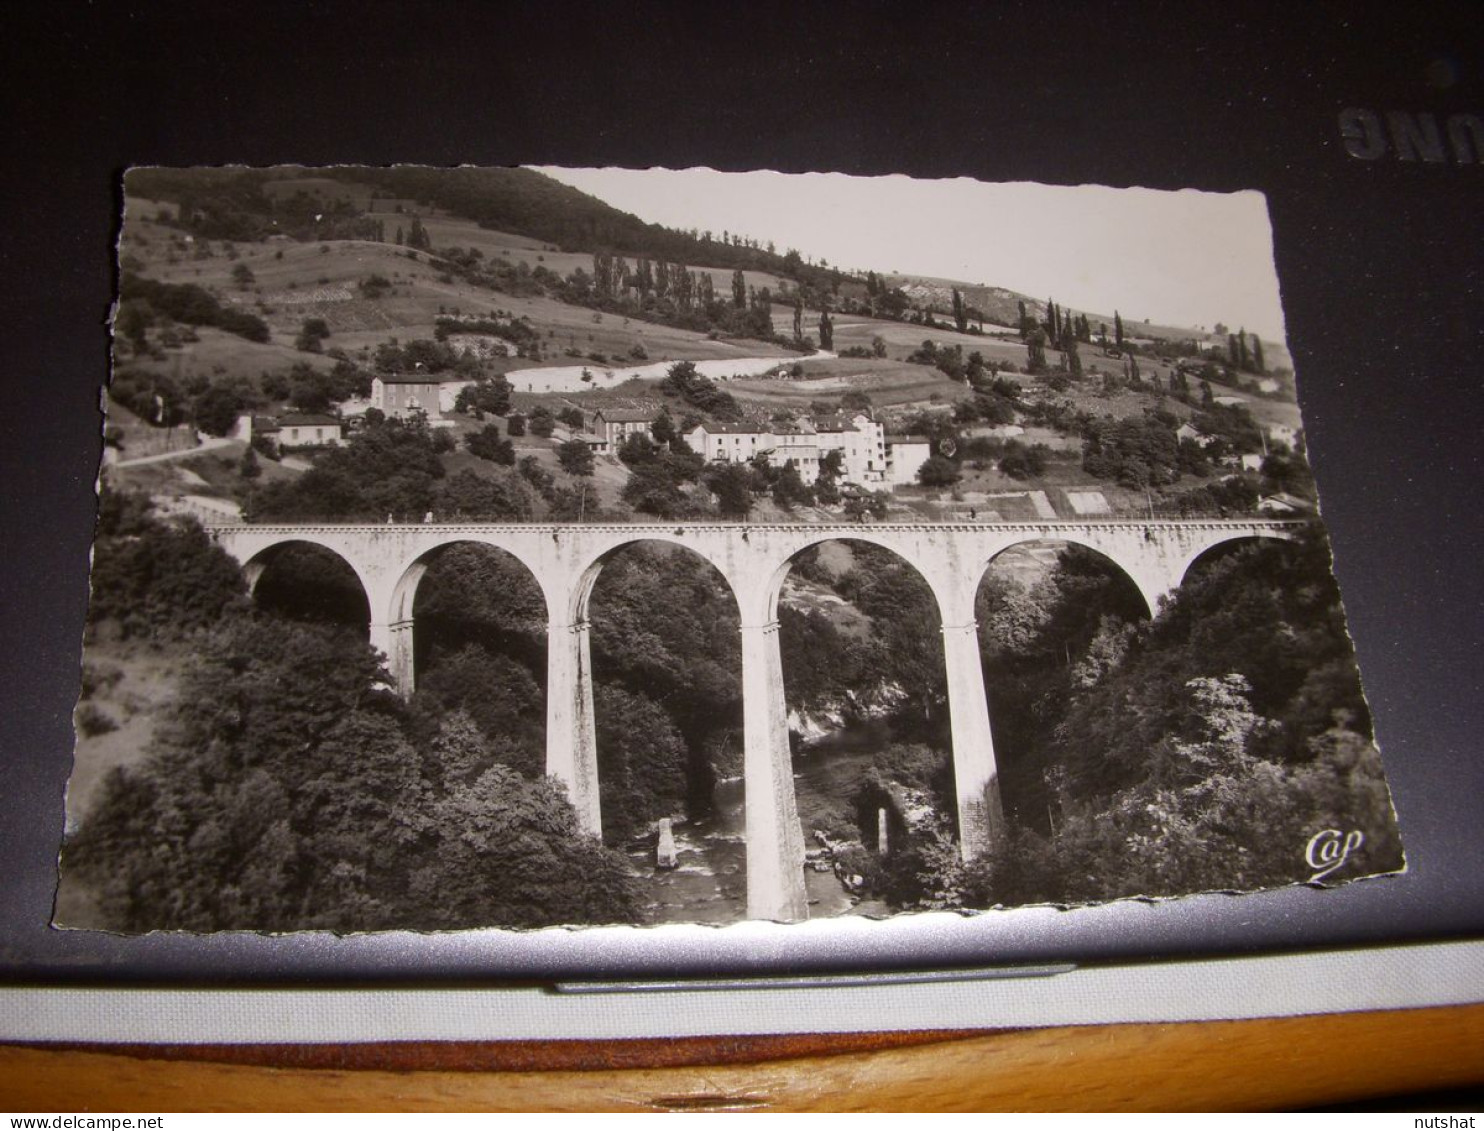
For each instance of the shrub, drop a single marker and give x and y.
(92, 721)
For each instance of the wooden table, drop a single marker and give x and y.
(1254, 1064)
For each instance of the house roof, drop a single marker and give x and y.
(408, 379)
(893, 438)
(300, 419)
(731, 429)
(835, 424)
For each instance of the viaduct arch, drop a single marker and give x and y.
(754, 559)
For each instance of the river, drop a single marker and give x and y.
(709, 882)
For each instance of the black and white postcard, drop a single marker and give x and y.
(516, 547)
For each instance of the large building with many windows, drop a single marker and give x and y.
(860, 441)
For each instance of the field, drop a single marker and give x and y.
(887, 383)
(285, 282)
(294, 281)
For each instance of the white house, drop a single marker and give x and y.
(403, 394)
(297, 430)
(860, 441)
(729, 443)
(904, 456)
(308, 430)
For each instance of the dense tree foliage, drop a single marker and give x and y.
(1201, 750)
(665, 633)
(683, 381)
(285, 788)
(390, 467)
(902, 652)
(488, 444)
(157, 580)
(576, 458)
(183, 302)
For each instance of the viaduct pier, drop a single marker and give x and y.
(754, 559)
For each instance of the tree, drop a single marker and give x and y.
(732, 484)
(249, 467)
(1074, 358)
(312, 390)
(663, 429)
(790, 489)
(938, 471)
(826, 331)
(134, 318)
(642, 761)
(228, 824)
(637, 449)
(218, 407)
(576, 458)
(875, 504)
(242, 275)
(1035, 351)
(312, 334)
(530, 863)
(484, 498)
(541, 422)
(515, 424)
(798, 319)
(1118, 329)
(739, 290)
(487, 444)
(960, 312)
(153, 579)
(492, 691)
(417, 236)
(488, 394)
(1022, 462)
(653, 489)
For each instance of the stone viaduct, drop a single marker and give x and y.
(754, 559)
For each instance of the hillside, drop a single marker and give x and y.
(278, 290)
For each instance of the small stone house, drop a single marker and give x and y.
(298, 430)
(613, 426)
(405, 394)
